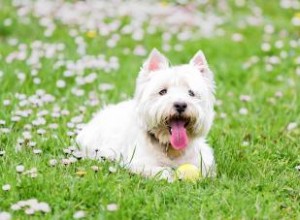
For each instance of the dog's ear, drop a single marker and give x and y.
(155, 61)
(200, 62)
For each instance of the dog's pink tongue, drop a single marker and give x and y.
(178, 139)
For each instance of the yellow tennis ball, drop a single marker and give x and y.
(188, 172)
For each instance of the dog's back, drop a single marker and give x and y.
(104, 134)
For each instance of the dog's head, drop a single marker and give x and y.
(175, 104)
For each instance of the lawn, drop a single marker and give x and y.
(61, 61)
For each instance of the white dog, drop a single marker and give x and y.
(163, 126)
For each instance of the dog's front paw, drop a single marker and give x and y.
(154, 171)
(165, 173)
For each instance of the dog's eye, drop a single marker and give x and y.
(191, 93)
(163, 92)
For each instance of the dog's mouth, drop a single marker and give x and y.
(178, 132)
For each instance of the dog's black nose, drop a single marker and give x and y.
(180, 106)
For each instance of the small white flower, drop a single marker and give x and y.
(139, 50)
(6, 187)
(73, 159)
(218, 102)
(15, 207)
(68, 73)
(41, 131)
(28, 127)
(34, 72)
(20, 168)
(245, 98)
(37, 151)
(32, 144)
(29, 211)
(79, 214)
(112, 169)
(278, 94)
(65, 161)
(6, 102)
(280, 78)
(240, 3)
(7, 22)
(268, 67)
(95, 168)
(55, 114)
(61, 84)
(296, 21)
(237, 37)
(22, 203)
(274, 60)
(269, 29)
(20, 141)
(243, 111)
(65, 112)
(33, 170)
(166, 47)
(298, 71)
(90, 78)
(18, 147)
(279, 44)
(223, 115)
(39, 121)
(21, 76)
(5, 216)
(5, 130)
(15, 118)
(70, 125)
(40, 92)
(265, 47)
(70, 133)
(272, 101)
(43, 207)
(106, 87)
(112, 207)
(2, 153)
(36, 80)
(77, 92)
(33, 175)
(79, 118)
(67, 151)
(138, 35)
(245, 143)
(32, 202)
(53, 126)
(26, 135)
(283, 54)
(126, 51)
(52, 162)
(178, 47)
(291, 126)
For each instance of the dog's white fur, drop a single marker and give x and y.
(136, 133)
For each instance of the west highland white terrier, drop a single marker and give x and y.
(163, 126)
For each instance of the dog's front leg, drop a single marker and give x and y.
(152, 171)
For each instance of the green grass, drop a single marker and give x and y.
(258, 181)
